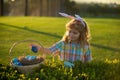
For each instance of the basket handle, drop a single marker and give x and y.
(18, 42)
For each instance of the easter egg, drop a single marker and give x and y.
(15, 60)
(34, 49)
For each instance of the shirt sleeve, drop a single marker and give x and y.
(56, 47)
(87, 54)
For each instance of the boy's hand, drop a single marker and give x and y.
(68, 64)
(36, 48)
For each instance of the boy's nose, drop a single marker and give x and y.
(71, 34)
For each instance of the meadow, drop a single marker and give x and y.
(105, 35)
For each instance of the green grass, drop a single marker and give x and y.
(105, 42)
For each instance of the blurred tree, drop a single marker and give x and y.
(52, 7)
(26, 7)
(97, 10)
(70, 7)
(1, 7)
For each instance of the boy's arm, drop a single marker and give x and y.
(52, 49)
(36, 48)
(44, 50)
(87, 54)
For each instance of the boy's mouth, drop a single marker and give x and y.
(71, 38)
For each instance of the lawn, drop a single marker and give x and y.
(105, 35)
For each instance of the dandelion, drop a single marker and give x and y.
(53, 60)
(15, 71)
(37, 79)
(115, 61)
(41, 70)
(59, 69)
(79, 74)
(19, 79)
(108, 61)
(71, 70)
(112, 61)
(22, 76)
(76, 77)
(29, 78)
(83, 74)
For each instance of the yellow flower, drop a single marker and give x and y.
(53, 60)
(70, 69)
(108, 61)
(115, 61)
(37, 79)
(29, 78)
(83, 74)
(41, 70)
(59, 69)
(15, 71)
(112, 61)
(22, 76)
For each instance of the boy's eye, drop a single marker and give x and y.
(69, 31)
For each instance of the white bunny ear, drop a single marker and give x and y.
(80, 19)
(63, 14)
(66, 15)
(77, 16)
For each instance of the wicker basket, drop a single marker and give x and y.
(25, 69)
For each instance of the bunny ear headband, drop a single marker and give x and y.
(77, 17)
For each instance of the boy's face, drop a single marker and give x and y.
(72, 34)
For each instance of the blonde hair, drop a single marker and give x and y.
(83, 30)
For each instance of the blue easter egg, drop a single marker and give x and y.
(18, 63)
(34, 49)
(15, 60)
(27, 57)
(30, 57)
(33, 57)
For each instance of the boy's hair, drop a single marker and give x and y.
(84, 31)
